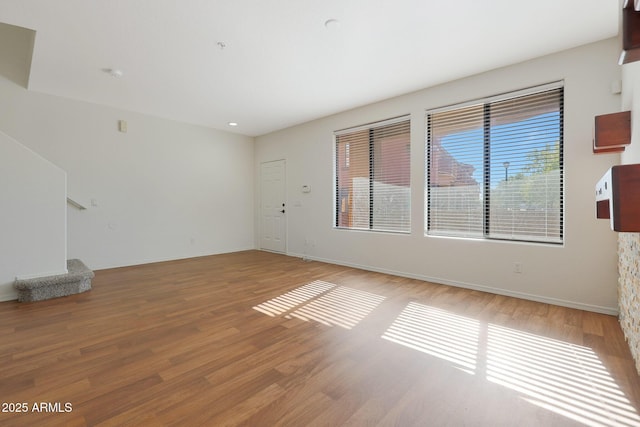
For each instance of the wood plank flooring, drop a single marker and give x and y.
(260, 339)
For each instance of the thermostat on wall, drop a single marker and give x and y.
(306, 189)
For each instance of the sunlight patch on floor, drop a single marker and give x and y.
(561, 377)
(342, 306)
(437, 332)
(565, 378)
(323, 302)
(285, 302)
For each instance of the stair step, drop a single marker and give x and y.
(77, 280)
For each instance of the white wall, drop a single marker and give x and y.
(32, 216)
(581, 273)
(164, 190)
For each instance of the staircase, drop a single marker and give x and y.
(77, 280)
(34, 214)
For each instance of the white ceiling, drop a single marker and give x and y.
(281, 66)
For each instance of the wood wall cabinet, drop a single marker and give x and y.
(618, 197)
(612, 132)
(630, 32)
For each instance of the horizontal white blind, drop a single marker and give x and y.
(372, 176)
(495, 169)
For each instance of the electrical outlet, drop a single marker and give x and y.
(517, 267)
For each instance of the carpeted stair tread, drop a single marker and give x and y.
(78, 279)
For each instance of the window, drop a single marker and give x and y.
(494, 168)
(372, 179)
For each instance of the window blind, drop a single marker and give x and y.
(494, 169)
(372, 177)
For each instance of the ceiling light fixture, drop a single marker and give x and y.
(113, 72)
(232, 124)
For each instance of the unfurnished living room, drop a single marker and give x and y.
(336, 213)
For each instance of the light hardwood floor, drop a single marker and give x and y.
(259, 339)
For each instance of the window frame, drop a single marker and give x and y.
(485, 185)
(347, 162)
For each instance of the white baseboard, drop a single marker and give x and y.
(8, 293)
(613, 311)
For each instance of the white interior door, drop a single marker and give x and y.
(273, 206)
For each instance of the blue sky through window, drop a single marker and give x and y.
(511, 142)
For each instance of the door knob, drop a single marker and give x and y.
(282, 211)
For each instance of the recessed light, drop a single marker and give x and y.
(113, 72)
(232, 124)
